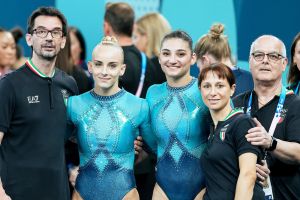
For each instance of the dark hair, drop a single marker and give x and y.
(221, 70)
(47, 11)
(180, 35)
(294, 73)
(120, 16)
(80, 38)
(17, 33)
(63, 60)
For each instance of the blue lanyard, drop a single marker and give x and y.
(276, 115)
(279, 105)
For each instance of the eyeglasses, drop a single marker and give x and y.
(272, 57)
(42, 33)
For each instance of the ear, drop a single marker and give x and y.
(284, 64)
(232, 89)
(123, 68)
(206, 60)
(106, 28)
(28, 39)
(194, 58)
(250, 68)
(90, 67)
(63, 42)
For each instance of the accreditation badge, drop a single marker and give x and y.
(267, 187)
(65, 95)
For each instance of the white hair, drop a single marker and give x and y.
(283, 49)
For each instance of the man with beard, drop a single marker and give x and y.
(33, 116)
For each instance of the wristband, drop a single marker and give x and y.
(273, 144)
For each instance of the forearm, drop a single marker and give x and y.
(288, 152)
(1, 187)
(245, 185)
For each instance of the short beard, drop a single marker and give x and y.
(48, 57)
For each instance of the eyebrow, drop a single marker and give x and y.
(258, 51)
(175, 50)
(42, 27)
(99, 61)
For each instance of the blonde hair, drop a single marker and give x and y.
(155, 26)
(110, 41)
(214, 43)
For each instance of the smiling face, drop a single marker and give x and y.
(216, 92)
(106, 67)
(267, 70)
(48, 47)
(176, 58)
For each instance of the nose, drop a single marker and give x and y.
(266, 59)
(104, 70)
(173, 59)
(49, 36)
(213, 91)
(11, 51)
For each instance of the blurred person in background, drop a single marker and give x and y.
(140, 72)
(147, 35)
(214, 47)
(65, 62)
(78, 51)
(294, 72)
(7, 52)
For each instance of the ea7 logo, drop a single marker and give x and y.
(33, 99)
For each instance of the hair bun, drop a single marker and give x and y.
(17, 33)
(216, 30)
(109, 40)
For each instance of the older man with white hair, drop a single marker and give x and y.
(276, 113)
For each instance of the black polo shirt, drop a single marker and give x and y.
(33, 119)
(220, 158)
(285, 178)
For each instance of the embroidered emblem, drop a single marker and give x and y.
(65, 95)
(33, 99)
(223, 131)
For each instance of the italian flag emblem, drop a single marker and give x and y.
(222, 135)
(223, 131)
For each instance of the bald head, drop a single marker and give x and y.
(269, 38)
